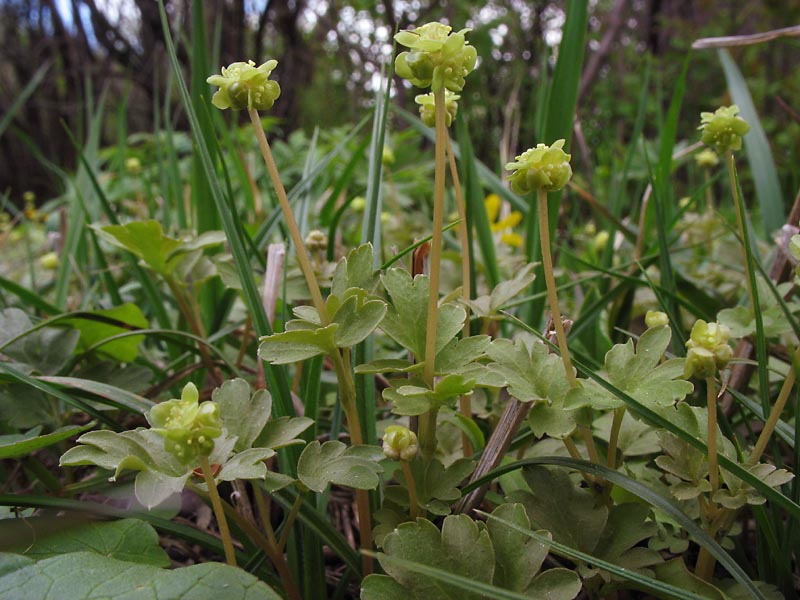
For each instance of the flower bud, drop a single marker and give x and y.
(541, 168)
(600, 240)
(243, 85)
(399, 443)
(387, 156)
(427, 108)
(316, 240)
(723, 129)
(656, 318)
(358, 203)
(437, 59)
(133, 166)
(188, 427)
(49, 261)
(706, 159)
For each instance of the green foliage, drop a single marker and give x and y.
(491, 554)
(71, 577)
(334, 462)
(127, 540)
(640, 373)
(144, 323)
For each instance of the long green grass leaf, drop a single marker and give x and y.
(23, 96)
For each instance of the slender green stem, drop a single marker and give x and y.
(572, 448)
(195, 323)
(347, 396)
(427, 422)
(290, 518)
(613, 439)
(288, 217)
(552, 294)
(713, 468)
(413, 502)
(464, 403)
(427, 434)
(347, 393)
(772, 420)
(740, 221)
(436, 239)
(267, 544)
(709, 193)
(219, 513)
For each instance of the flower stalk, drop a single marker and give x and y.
(219, 513)
(288, 216)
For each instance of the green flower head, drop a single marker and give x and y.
(188, 427)
(427, 108)
(243, 85)
(723, 129)
(542, 168)
(708, 349)
(399, 443)
(437, 59)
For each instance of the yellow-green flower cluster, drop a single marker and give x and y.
(243, 85)
(723, 129)
(541, 168)
(399, 443)
(708, 349)
(188, 427)
(427, 108)
(437, 58)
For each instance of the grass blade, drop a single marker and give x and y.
(23, 96)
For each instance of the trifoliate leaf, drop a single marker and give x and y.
(407, 316)
(487, 307)
(638, 374)
(298, 344)
(460, 548)
(357, 318)
(627, 526)
(248, 464)
(283, 431)
(519, 557)
(573, 515)
(244, 414)
(532, 373)
(458, 354)
(334, 462)
(636, 438)
(416, 398)
(355, 271)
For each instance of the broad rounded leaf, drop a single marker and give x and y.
(85, 576)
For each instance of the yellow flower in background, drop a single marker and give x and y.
(506, 224)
